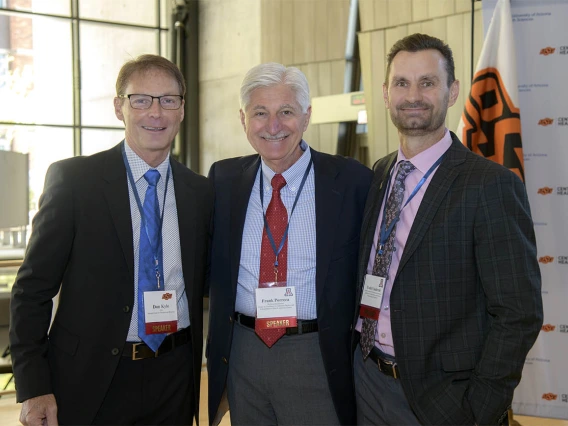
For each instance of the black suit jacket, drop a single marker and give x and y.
(466, 304)
(341, 186)
(82, 243)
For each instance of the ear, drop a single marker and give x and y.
(454, 92)
(182, 113)
(386, 95)
(308, 115)
(243, 119)
(118, 108)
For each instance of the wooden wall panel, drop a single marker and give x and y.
(455, 35)
(312, 74)
(420, 10)
(302, 26)
(399, 12)
(270, 25)
(337, 76)
(287, 35)
(322, 38)
(338, 14)
(462, 6)
(415, 27)
(437, 8)
(367, 14)
(381, 12)
(436, 28)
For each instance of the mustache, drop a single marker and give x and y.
(414, 105)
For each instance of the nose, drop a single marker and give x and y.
(155, 109)
(274, 125)
(413, 93)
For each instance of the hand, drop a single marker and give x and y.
(39, 411)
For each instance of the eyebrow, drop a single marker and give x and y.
(262, 107)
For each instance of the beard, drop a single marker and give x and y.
(421, 124)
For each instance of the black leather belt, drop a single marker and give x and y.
(386, 366)
(140, 350)
(304, 326)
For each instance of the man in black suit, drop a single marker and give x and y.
(303, 375)
(112, 240)
(453, 250)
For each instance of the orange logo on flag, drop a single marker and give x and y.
(547, 51)
(545, 259)
(545, 190)
(545, 121)
(549, 396)
(167, 296)
(548, 328)
(492, 123)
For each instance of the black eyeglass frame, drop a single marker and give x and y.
(159, 98)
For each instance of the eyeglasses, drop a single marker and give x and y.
(145, 101)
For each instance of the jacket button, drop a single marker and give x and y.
(230, 318)
(115, 351)
(126, 309)
(225, 360)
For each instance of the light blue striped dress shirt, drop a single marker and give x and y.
(301, 238)
(170, 237)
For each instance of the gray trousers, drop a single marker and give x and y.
(282, 385)
(380, 398)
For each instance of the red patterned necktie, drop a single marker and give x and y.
(277, 219)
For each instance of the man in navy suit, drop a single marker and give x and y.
(303, 373)
(449, 236)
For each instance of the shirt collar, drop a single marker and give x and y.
(428, 157)
(139, 167)
(294, 174)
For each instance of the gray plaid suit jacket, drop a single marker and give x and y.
(466, 303)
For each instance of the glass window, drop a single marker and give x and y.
(104, 49)
(94, 141)
(139, 12)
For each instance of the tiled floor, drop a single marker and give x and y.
(10, 411)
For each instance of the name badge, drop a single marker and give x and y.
(160, 312)
(373, 290)
(276, 307)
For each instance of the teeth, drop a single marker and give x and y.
(153, 128)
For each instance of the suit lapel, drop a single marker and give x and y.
(241, 188)
(116, 194)
(328, 206)
(435, 193)
(184, 194)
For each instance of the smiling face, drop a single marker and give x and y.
(417, 93)
(274, 124)
(150, 132)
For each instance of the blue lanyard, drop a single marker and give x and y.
(266, 227)
(155, 249)
(385, 232)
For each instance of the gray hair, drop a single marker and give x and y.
(273, 74)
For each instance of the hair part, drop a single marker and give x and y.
(273, 74)
(418, 42)
(144, 64)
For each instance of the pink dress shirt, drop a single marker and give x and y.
(422, 162)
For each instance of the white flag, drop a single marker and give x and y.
(491, 122)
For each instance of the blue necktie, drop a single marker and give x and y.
(150, 241)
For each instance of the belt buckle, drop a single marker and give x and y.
(135, 351)
(392, 364)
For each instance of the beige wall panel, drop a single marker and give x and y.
(312, 134)
(233, 28)
(222, 135)
(271, 28)
(327, 143)
(321, 38)
(337, 76)
(415, 27)
(436, 28)
(420, 10)
(366, 56)
(462, 6)
(399, 12)
(303, 29)
(478, 34)
(367, 14)
(287, 33)
(382, 14)
(455, 38)
(392, 35)
(437, 8)
(324, 79)
(337, 20)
